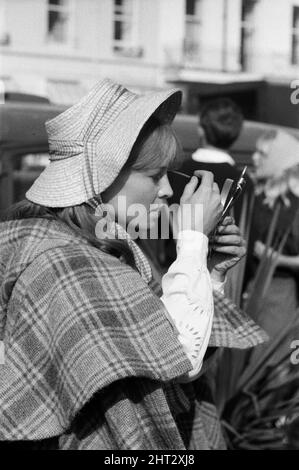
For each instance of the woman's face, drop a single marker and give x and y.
(141, 194)
(260, 158)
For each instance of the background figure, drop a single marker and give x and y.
(276, 163)
(220, 124)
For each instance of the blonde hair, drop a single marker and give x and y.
(157, 145)
(267, 136)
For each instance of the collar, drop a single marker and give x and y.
(141, 261)
(120, 233)
(212, 156)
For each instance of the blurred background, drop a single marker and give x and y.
(245, 49)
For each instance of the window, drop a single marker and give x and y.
(192, 29)
(125, 28)
(4, 36)
(247, 33)
(35, 161)
(20, 170)
(295, 37)
(59, 16)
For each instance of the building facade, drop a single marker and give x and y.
(58, 48)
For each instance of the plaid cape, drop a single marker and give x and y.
(90, 356)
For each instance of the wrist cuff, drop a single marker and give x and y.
(193, 244)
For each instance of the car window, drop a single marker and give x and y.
(20, 171)
(34, 161)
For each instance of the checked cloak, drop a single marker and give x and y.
(91, 359)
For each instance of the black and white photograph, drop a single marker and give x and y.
(149, 228)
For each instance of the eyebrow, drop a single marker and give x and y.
(161, 169)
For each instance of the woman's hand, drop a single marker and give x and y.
(283, 261)
(201, 208)
(259, 250)
(228, 249)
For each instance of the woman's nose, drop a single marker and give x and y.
(165, 190)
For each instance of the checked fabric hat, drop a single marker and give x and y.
(90, 142)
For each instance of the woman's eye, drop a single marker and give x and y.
(156, 178)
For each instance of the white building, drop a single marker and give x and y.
(57, 43)
(60, 47)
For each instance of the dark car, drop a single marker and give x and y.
(23, 147)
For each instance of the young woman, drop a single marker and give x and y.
(95, 355)
(276, 162)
